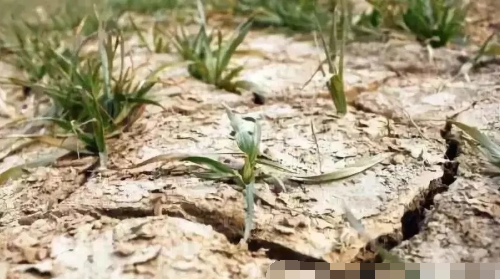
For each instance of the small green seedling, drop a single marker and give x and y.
(247, 137)
(335, 76)
(248, 141)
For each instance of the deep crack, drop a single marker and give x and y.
(416, 211)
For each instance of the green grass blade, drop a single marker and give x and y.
(234, 42)
(211, 163)
(139, 33)
(336, 89)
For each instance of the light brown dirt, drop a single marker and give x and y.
(67, 223)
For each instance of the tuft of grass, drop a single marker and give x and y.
(435, 22)
(86, 98)
(432, 22)
(63, 16)
(211, 64)
(297, 15)
(144, 6)
(30, 49)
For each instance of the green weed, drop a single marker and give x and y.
(335, 48)
(208, 63)
(433, 22)
(144, 6)
(297, 15)
(87, 99)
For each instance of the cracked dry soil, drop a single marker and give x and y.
(150, 222)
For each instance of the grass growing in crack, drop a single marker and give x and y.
(433, 22)
(211, 64)
(86, 98)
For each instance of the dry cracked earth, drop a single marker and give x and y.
(424, 202)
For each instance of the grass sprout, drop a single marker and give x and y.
(334, 49)
(212, 64)
(247, 136)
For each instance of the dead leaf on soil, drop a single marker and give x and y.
(353, 169)
(69, 143)
(14, 145)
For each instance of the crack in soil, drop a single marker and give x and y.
(277, 251)
(231, 228)
(413, 219)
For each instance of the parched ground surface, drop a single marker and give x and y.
(151, 222)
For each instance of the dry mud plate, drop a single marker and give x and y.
(424, 202)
